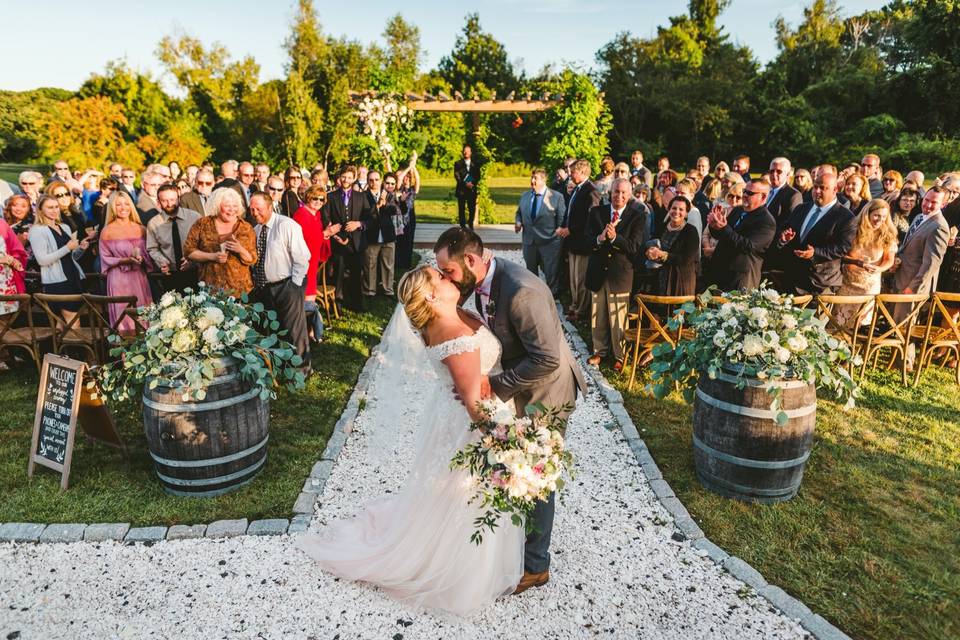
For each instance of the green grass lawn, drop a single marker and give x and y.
(436, 201)
(11, 172)
(872, 541)
(107, 486)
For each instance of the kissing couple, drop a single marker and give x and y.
(415, 544)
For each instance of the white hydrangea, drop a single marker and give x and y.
(753, 345)
(171, 316)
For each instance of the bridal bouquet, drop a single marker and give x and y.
(517, 462)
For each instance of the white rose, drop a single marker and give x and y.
(720, 339)
(183, 340)
(166, 300)
(789, 322)
(211, 337)
(171, 316)
(752, 345)
(783, 355)
(797, 343)
(771, 294)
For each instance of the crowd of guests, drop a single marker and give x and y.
(611, 232)
(602, 233)
(242, 229)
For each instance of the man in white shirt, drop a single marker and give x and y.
(280, 271)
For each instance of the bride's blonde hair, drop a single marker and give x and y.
(412, 290)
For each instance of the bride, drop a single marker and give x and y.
(416, 545)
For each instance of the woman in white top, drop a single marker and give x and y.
(56, 249)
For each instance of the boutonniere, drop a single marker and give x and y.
(491, 309)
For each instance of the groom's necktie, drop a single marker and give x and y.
(478, 300)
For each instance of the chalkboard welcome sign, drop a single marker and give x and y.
(58, 401)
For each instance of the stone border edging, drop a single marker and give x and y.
(302, 508)
(818, 626)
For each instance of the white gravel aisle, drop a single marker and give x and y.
(616, 572)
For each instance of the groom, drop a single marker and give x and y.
(537, 363)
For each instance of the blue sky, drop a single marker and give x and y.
(535, 32)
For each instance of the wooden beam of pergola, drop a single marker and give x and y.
(458, 104)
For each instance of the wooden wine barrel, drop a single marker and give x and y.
(207, 447)
(739, 451)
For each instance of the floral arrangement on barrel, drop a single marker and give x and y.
(517, 462)
(187, 333)
(759, 334)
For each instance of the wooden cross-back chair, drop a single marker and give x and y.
(19, 331)
(651, 329)
(893, 334)
(327, 295)
(943, 338)
(78, 334)
(844, 316)
(98, 308)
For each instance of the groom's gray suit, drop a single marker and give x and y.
(537, 367)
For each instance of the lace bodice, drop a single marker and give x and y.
(483, 339)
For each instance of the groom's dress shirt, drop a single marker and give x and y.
(483, 290)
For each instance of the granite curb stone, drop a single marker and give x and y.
(63, 533)
(782, 600)
(822, 629)
(146, 534)
(299, 523)
(186, 532)
(714, 552)
(743, 571)
(305, 503)
(268, 527)
(227, 528)
(102, 531)
(21, 531)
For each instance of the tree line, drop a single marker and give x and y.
(885, 81)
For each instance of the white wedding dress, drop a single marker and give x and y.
(415, 545)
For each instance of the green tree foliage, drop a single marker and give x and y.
(20, 138)
(684, 92)
(147, 108)
(577, 128)
(216, 87)
(478, 63)
(86, 132)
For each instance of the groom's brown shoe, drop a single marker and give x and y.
(532, 580)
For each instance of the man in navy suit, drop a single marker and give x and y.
(815, 239)
(783, 198)
(743, 237)
(353, 211)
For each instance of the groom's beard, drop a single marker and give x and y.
(467, 284)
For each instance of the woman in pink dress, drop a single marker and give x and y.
(124, 258)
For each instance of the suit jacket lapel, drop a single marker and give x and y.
(495, 294)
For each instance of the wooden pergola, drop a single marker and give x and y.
(458, 104)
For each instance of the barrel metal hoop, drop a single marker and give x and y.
(201, 482)
(747, 462)
(748, 491)
(210, 461)
(207, 494)
(764, 384)
(752, 412)
(200, 406)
